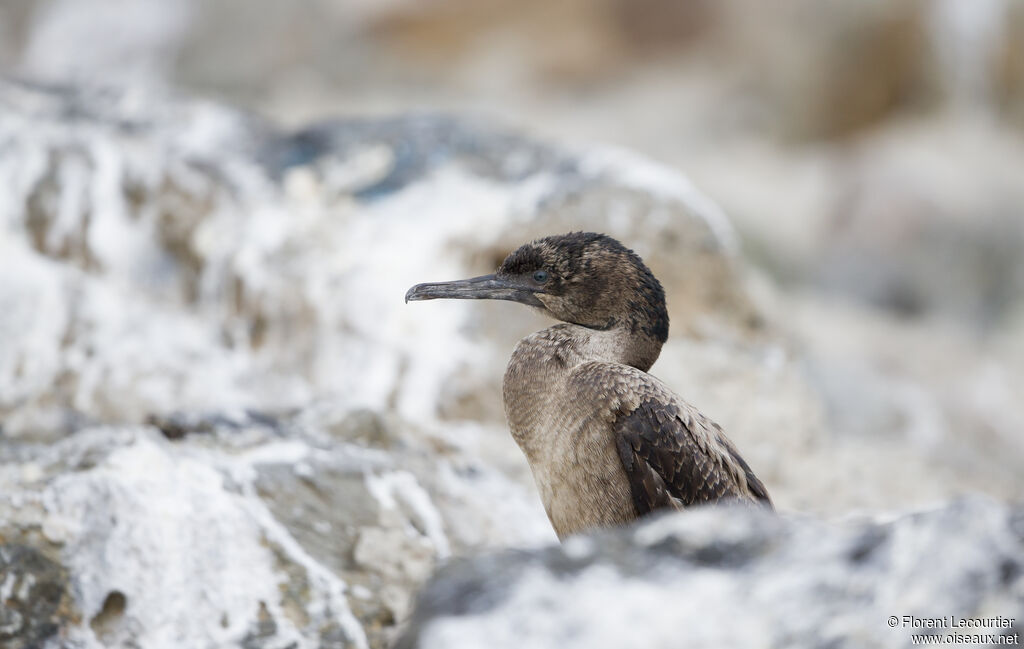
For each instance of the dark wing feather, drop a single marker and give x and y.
(675, 459)
(754, 485)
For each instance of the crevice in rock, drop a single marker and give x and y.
(106, 623)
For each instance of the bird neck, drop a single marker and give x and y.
(618, 344)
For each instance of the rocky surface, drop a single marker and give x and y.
(221, 426)
(257, 248)
(314, 532)
(739, 578)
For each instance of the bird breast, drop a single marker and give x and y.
(567, 441)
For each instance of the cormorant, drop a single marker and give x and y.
(607, 442)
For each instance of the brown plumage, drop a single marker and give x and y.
(607, 442)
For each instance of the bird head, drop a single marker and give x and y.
(583, 278)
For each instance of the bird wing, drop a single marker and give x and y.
(673, 455)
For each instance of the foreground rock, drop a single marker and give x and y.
(738, 578)
(312, 531)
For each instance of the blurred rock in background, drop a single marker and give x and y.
(210, 390)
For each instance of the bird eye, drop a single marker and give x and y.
(540, 276)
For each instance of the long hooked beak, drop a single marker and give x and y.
(485, 287)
